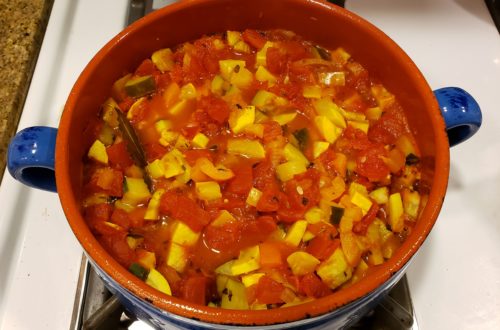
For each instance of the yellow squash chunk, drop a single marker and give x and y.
(156, 169)
(335, 270)
(350, 247)
(227, 67)
(302, 263)
(261, 55)
(163, 59)
(361, 125)
(233, 37)
(178, 107)
(241, 78)
(254, 129)
(308, 236)
(223, 217)
(380, 195)
(171, 94)
(383, 97)
(241, 118)
(200, 140)
(284, 118)
(177, 257)
(244, 265)
(173, 163)
(293, 154)
(411, 202)
(136, 191)
(147, 259)
(188, 91)
(315, 215)
(156, 280)
(109, 114)
(167, 137)
(295, 232)
(328, 130)
(374, 113)
(133, 242)
(234, 295)
(396, 212)
(362, 202)
(242, 46)
(357, 187)
(325, 107)
(319, 147)
(263, 75)
(312, 92)
(208, 191)
(98, 152)
(288, 170)
(336, 78)
(253, 196)
(154, 205)
(162, 125)
(183, 235)
(263, 98)
(405, 144)
(218, 173)
(246, 148)
(217, 85)
(251, 279)
(334, 191)
(107, 135)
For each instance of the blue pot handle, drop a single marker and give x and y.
(30, 157)
(461, 113)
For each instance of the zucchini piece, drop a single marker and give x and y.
(138, 271)
(302, 136)
(140, 86)
(337, 213)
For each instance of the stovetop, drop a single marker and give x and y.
(454, 279)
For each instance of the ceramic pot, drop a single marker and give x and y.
(31, 156)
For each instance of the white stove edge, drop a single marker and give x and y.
(454, 279)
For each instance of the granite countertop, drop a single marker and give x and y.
(22, 26)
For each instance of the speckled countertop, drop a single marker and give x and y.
(22, 26)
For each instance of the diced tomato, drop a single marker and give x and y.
(106, 180)
(117, 245)
(118, 156)
(270, 255)
(242, 181)
(370, 164)
(147, 67)
(126, 103)
(389, 127)
(312, 286)
(154, 150)
(272, 130)
(276, 60)
(253, 38)
(194, 289)
(269, 201)
(121, 218)
(98, 212)
(193, 154)
(184, 209)
(303, 190)
(322, 246)
(263, 176)
(136, 217)
(216, 108)
(268, 291)
(256, 231)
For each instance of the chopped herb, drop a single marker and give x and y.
(337, 213)
(302, 136)
(323, 53)
(411, 159)
(305, 201)
(138, 270)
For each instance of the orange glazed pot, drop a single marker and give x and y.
(318, 21)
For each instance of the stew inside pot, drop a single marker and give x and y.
(281, 171)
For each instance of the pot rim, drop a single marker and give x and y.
(317, 307)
